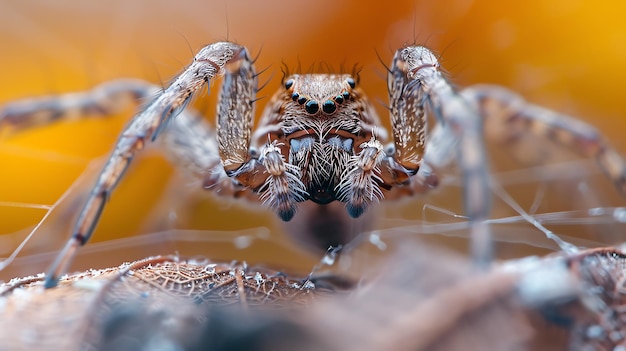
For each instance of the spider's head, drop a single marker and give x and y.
(319, 122)
(320, 94)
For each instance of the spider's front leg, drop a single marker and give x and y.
(414, 80)
(372, 168)
(208, 63)
(277, 181)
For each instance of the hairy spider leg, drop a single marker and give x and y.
(207, 64)
(103, 100)
(277, 181)
(500, 105)
(463, 119)
(188, 141)
(459, 135)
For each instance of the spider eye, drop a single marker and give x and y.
(301, 100)
(295, 96)
(289, 84)
(312, 106)
(329, 106)
(346, 95)
(339, 99)
(351, 82)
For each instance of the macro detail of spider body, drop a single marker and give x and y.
(318, 139)
(321, 124)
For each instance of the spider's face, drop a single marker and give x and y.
(320, 120)
(320, 105)
(321, 94)
(321, 102)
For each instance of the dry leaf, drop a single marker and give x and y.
(421, 299)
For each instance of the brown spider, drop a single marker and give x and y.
(319, 138)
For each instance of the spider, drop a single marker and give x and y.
(319, 138)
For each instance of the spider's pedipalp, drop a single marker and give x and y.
(283, 188)
(359, 184)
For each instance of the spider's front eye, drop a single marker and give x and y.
(301, 100)
(289, 84)
(312, 106)
(329, 106)
(351, 82)
(295, 96)
(339, 99)
(346, 95)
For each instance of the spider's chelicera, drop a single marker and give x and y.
(319, 138)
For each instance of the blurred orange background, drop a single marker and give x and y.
(566, 55)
